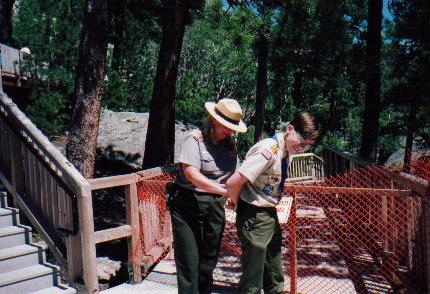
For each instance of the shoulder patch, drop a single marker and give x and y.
(274, 148)
(196, 134)
(267, 154)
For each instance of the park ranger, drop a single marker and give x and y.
(207, 159)
(256, 189)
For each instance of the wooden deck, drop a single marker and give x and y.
(227, 273)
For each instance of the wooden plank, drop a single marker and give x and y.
(88, 246)
(419, 185)
(17, 171)
(43, 191)
(112, 234)
(62, 209)
(68, 217)
(114, 181)
(134, 246)
(31, 173)
(54, 200)
(37, 184)
(352, 191)
(351, 157)
(426, 247)
(67, 171)
(156, 171)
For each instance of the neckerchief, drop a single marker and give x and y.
(284, 168)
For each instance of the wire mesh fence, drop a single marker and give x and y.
(361, 231)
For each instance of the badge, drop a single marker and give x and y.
(268, 189)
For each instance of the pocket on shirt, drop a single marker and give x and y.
(209, 165)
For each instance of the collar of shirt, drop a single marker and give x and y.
(281, 144)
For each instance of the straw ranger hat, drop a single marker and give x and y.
(228, 113)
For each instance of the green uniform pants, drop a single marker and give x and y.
(261, 239)
(198, 221)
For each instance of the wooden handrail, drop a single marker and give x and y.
(81, 247)
(113, 181)
(350, 156)
(37, 140)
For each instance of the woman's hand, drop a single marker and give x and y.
(234, 186)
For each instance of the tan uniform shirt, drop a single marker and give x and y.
(262, 168)
(216, 162)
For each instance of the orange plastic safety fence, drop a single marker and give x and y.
(155, 225)
(357, 232)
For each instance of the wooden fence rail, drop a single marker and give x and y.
(336, 161)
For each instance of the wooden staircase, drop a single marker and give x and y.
(23, 266)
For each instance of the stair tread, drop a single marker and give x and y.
(54, 290)
(17, 251)
(12, 230)
(5, 211)
(24, 274)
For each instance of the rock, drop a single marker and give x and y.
(397, 158)
(107, 268)
(122, 137)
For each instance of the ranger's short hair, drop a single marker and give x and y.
(306, 125)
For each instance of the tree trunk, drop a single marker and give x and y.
(6, 8)
(90, 72)
(263, 48)
(118, 12)
(370, 130)
(409, 139)
(160, 137)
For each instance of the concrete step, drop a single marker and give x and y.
(14, 236)
(60, 289)
(8, 217)
(29, 279)
(14, 258)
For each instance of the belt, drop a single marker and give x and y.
(249, 205)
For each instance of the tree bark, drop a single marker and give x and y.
(370, 129)
(6, 8)
(90, 72)
(160, 138)
(409, 138)
(263, 49)
(118, 12)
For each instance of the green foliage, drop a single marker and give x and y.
(317, 64)
(48, 111)
(51, 30)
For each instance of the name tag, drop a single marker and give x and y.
(283, 209)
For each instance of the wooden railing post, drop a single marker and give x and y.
(86, 229)
(16, 167)
(293, 247)
(134, 249)
(426, 214)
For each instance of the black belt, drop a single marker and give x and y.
(260, 208)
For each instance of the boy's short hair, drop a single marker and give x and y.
(306, 125)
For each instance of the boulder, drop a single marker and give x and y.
(397, 158)
(122, 135)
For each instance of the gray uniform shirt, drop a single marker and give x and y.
(216, 162)
(263, 169)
